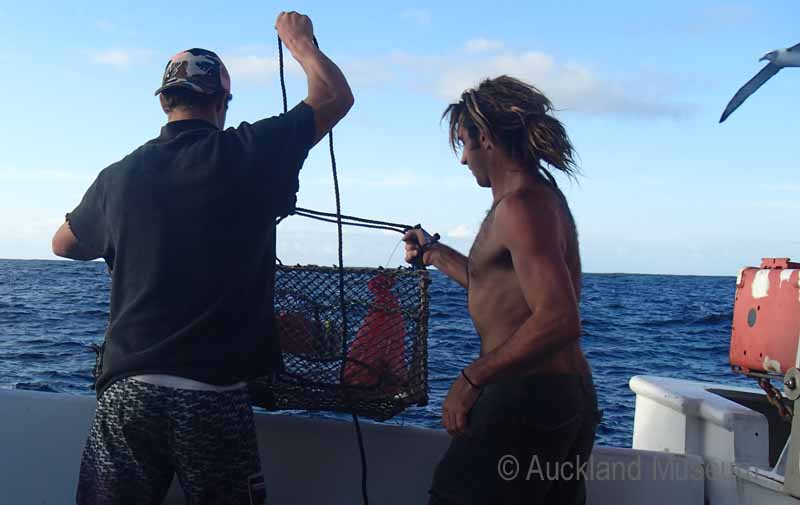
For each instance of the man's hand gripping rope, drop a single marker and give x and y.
(419, 244)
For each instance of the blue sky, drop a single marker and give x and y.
(665, 189)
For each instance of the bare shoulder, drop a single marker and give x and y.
(531, 217)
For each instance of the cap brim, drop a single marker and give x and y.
(183, 84)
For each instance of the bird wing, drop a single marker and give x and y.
(748, 89)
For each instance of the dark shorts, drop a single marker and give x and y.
(144, 434)
(526, 443)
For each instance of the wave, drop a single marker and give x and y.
(36, 386)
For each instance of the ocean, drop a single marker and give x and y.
(672, 326)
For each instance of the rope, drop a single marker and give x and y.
(283, 81)
(362, 225)
(404, 227)
(775, 398)
(341, 271)
(350, 220)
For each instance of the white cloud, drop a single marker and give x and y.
(532, 66)
(252, 68)
(482, 45)
(121, 59)
(421, 17)
(367, 72)
(397, 67)
(570, 86)
(460, 231)
(260, 69)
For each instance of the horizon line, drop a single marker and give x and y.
(432, 268)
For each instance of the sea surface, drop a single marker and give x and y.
(672, 326)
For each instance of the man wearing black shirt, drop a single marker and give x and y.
(186, 223)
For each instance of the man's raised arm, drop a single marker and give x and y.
(329, 94)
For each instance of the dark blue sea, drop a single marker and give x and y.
(674, 326)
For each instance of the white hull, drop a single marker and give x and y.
(317, 461)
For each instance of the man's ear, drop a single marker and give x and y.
(222, 103)
(485, 140)
(163, 103)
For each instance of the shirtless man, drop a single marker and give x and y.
(530, 394)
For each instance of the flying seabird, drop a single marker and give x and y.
(777, 60)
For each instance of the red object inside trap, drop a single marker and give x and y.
(377, 354)
(766, 318)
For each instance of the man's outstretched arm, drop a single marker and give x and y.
(451, 262)
(329, 94)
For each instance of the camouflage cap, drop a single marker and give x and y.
(197, 69)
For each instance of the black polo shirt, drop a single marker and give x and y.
(187, 224)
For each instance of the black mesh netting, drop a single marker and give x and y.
(375, 367)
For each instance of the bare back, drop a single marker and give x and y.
(497, 301)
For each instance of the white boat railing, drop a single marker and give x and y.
(308, 460)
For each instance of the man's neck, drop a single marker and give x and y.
(186, 114)
(509, 176)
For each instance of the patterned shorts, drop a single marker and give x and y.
(144, 434)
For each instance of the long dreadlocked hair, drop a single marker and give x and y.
(517, 116)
